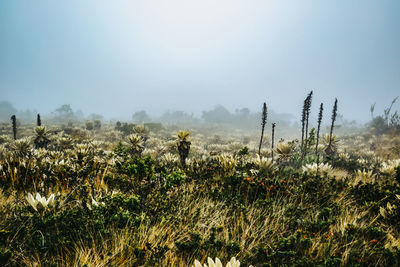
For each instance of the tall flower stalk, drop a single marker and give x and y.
(329, 149)
(308, 109)
(272, 141)
(14, 126)
(304, 124)
(38, 120)
(263, 122)
(321, 110)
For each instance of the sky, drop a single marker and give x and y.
(118, 57)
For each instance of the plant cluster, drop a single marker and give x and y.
(157, 198)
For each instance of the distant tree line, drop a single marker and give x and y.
(63, 114)
(242, 117)
(218, 115)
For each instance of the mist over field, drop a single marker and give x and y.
(200, 133)
(117, 58)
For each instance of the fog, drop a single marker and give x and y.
(115, 58)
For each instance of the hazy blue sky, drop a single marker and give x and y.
(116, 57)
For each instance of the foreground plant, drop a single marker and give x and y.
(41, 140)
(364, 176)
(39, 201)
(389, 167)
(136, 144)
(330, 143)
(94, 204)
(227, 164)
(284, 151)
(314, 169)
(265, 166)
(22, 147)
(183, 144)
(217, 263)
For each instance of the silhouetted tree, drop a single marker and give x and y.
(218, 114)
(141, 117)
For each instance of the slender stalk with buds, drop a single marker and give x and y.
(329, 150)
(38, 120)
(272, 141)
(308, 108)
(263, 122)
(304, 123)
(321, 109)
(14, 126)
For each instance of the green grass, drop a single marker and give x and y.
(151, 211)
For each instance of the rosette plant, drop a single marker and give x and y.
(183, 144)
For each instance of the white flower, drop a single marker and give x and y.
(264, 164)
(168, 159)
(211, 263)
(227, 163)
(314, 168)
(389, 167)
(45, 202)
(363, 176)
(254, 172)
(344, 156)
(94, 203)
(217, 263)
(34, 202)
(362, 162)
(233, 263)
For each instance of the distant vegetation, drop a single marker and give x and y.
(388, 121)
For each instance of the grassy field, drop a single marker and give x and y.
(111, 197)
